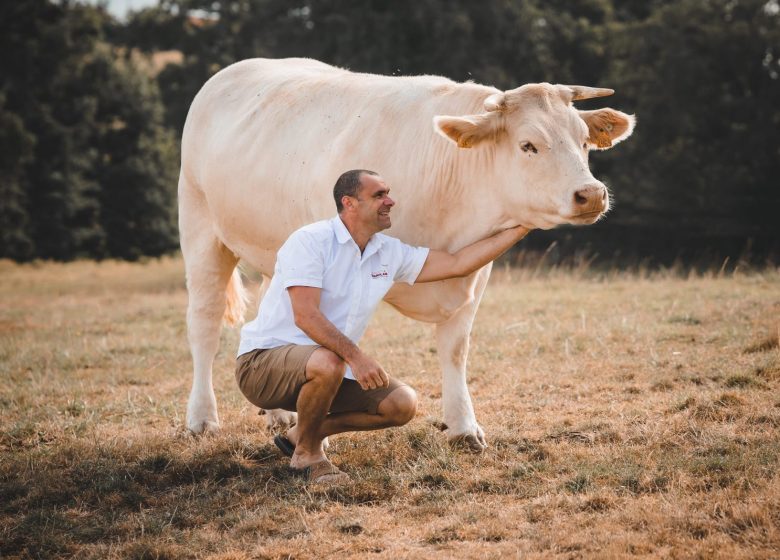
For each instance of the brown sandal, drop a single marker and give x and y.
(315, 473)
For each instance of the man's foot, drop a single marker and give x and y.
(314, 466)
(322, 472)
(287, 442)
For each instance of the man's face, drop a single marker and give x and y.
(374, 202)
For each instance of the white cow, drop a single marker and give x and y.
(265, 141)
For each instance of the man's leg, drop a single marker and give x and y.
(395, 409)
(324, 372)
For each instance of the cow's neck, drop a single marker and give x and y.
(459, 202)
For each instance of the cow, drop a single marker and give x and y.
(265, 140)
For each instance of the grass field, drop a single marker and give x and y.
(627, 415)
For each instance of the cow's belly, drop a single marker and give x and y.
(434, 302)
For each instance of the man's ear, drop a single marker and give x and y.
(469, 131)
(346, 202)
(607, 127)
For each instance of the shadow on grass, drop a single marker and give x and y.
(53, 501)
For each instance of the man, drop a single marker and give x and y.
(301, 352)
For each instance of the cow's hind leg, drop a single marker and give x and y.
(276, 419)
(279, 419)
(209, 265)
(452, 338)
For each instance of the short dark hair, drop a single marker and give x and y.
(348, 185)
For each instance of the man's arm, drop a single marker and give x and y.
(441, 265)
(308, 317)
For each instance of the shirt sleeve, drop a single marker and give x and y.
(301, 261)
(411, 262)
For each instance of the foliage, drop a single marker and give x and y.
(703, 78)
(89, 169)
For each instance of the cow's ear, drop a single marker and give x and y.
(607, 127)
(468, 131)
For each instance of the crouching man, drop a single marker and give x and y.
(300, 353)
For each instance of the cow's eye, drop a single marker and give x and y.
(584, 145)
(528, 147)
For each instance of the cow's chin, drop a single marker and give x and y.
(549, 221)
(585, 219)
(541, 222)
(546, 221)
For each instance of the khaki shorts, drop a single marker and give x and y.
(272, 378)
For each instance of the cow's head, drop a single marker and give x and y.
(540, 144)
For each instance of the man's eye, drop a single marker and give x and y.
(528, 147)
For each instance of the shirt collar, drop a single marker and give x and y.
(342, 233)
(343, 236)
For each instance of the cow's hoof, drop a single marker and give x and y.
(472, 441)
(468, 443)
(203, 427)
(279, 419)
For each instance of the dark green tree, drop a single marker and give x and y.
(703, 79)
(94, 172)
(137, 158)
(16, 148)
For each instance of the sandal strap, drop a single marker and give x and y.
(321, 468)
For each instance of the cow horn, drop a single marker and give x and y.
(585, 92)
(496, 102)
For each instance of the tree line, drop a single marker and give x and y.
(89, 128)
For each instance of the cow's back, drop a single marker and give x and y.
(266, 139)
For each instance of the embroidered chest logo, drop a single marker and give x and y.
(382, 273)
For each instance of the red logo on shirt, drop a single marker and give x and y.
(380, 274)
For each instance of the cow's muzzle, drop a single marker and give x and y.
(589, 202)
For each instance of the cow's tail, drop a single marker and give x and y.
(236, 298)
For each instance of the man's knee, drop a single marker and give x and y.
(325, 365)
(400, 406)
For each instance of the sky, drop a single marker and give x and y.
(119, 8)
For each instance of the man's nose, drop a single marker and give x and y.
(389, 201)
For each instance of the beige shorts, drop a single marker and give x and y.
(272, 378)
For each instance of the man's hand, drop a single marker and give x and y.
(368, 372)
(305, 302)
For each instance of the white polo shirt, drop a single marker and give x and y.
(324, 255)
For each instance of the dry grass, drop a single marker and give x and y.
(627, 415)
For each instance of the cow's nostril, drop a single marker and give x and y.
(579, 198)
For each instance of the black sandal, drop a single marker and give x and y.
(284, 445)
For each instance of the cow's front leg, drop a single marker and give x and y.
(452, 338)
